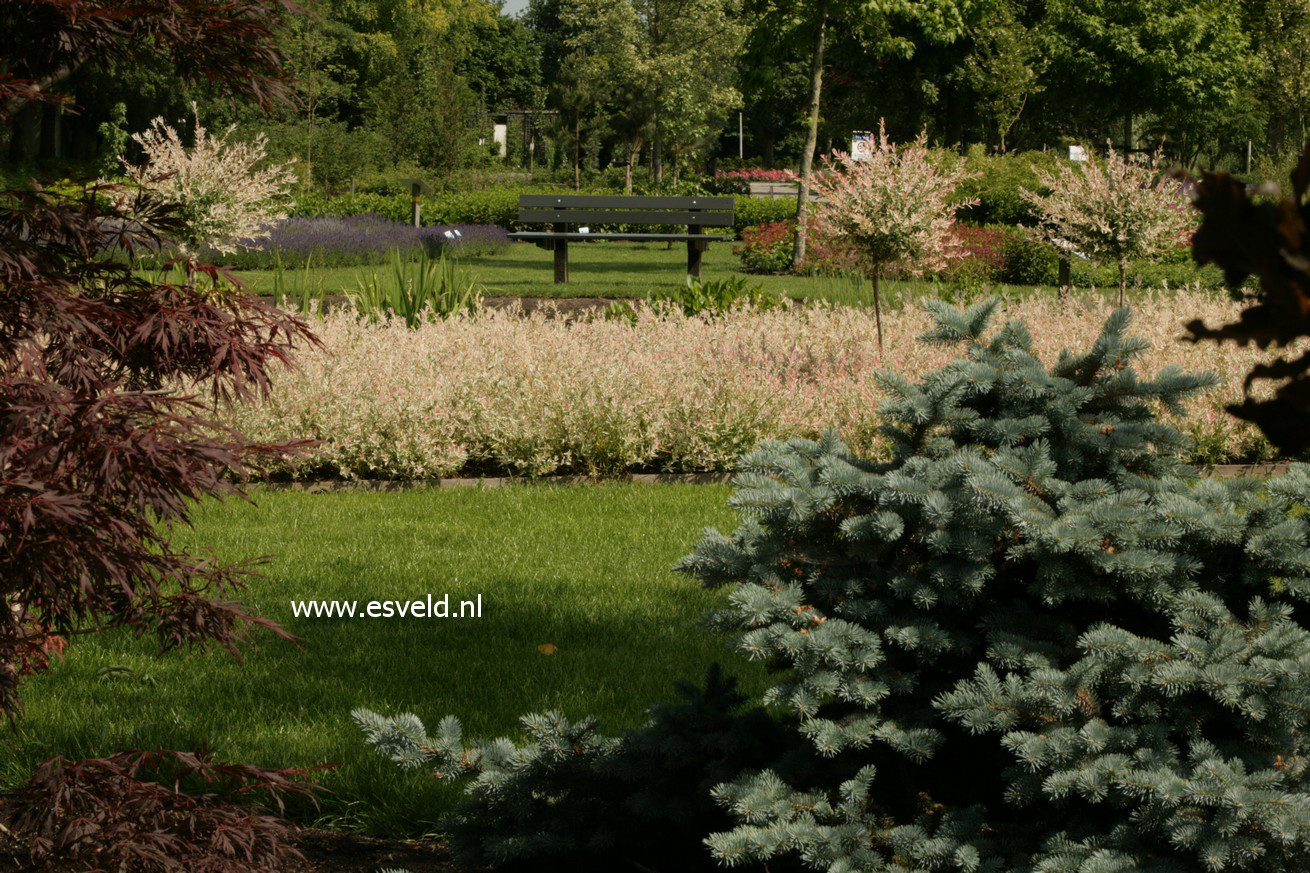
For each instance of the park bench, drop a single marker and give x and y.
(563, 211)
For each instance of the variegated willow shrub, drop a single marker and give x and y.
(226, 194)
(893, 210)
(1117, 210)
(536, 396)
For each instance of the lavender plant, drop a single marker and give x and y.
(360, 240)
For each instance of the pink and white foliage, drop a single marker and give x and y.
(225, 190)
(538, 395)
(895, 209)
(1118, 210)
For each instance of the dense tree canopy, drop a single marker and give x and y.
(657, 84)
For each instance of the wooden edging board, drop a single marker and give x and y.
(326, 486)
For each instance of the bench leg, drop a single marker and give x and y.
(695, 249)
(561, 262)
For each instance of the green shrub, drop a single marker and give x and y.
(999, 183)
(753, 211)
(716, 297)
(1147, 274)
(393, 207)
(1034, 639)
(497, 206)
(1028, 261)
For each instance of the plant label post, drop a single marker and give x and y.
(417, 188)
(861, 145)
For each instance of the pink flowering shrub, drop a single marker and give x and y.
(1118, 210)
(739, 181)
(537, 396)
(895, 210)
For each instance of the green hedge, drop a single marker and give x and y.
(998, 184)
(754, 211)
(1030, 262)
(500, 206)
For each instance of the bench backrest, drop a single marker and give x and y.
(621, 209)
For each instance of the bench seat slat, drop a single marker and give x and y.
(623, 216)
(621, 201)
(532, 235)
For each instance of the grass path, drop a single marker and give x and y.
(618, 270)
(585, 569)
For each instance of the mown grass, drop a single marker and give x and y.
(584, 568)
(618, 270)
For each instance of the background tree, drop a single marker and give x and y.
(1154, 61)
(935, 20)
(669, 61)
(1003, 69)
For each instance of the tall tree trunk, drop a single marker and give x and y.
(657, 153)
(577, 150)
(634, 155)
(1123, 281)
(811, 137)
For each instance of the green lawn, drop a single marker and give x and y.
(605, 269)
(584, 568)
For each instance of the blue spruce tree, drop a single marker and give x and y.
(1033, 641)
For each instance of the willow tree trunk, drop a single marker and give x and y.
(811, 137)
(877, 309)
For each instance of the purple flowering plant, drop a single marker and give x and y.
(360, 240)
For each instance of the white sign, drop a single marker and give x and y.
(1077, 153)
(500, 136)
(861, 145)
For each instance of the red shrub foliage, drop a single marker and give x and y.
(95, 450)
(156, 812)
(1270, 241)
(984, 254)
(767, 248)
(43, 42)
(99, 452)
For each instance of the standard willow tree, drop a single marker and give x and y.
(895, 210)
(1034, 640)
(1118, 210)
